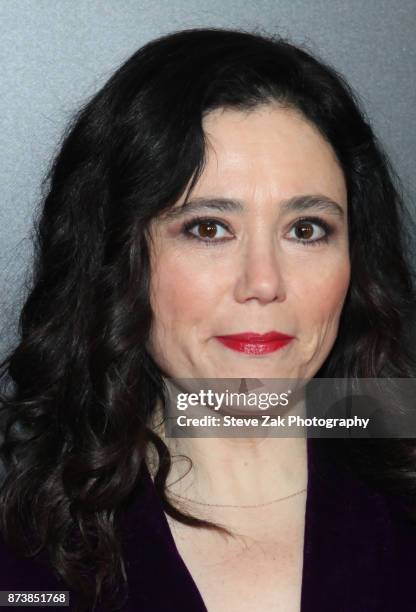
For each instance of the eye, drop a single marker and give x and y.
(306, 231)
(309, 231)
(205, 230)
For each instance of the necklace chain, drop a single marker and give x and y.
(238, 506)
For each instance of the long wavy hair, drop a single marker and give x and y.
(79, 389)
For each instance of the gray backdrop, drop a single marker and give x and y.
(54, 53)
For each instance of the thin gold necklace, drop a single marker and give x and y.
(238, 506)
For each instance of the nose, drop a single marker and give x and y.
(260, 273)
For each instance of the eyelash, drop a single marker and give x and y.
(199, 220)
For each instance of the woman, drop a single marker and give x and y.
(220, 183)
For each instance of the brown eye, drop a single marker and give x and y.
(207, 229)
(311, 231)
(304, 231)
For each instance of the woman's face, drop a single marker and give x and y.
(252, 264)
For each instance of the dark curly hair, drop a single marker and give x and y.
(79, 389)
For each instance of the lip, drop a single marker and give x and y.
(253, 343)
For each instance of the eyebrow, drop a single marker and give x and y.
(295, 204)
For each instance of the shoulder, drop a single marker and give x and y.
(362, 535)
(26, 573)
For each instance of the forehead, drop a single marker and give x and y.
(268, 151)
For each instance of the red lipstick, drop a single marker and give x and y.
(252, 343)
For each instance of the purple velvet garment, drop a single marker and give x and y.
(359, 551)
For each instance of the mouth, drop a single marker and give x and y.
(253, 343)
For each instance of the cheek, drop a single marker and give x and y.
(323, 294)
(184, 292)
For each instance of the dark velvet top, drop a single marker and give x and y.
(359, 551)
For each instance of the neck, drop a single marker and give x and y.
(235, 471)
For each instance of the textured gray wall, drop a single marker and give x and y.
(54, 53)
